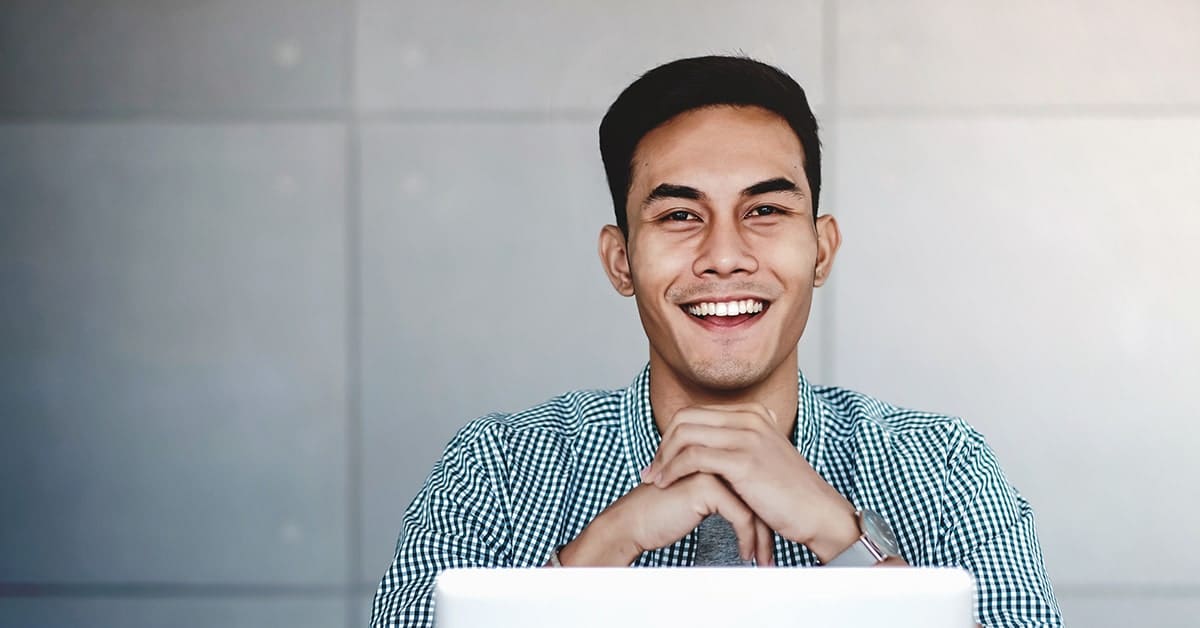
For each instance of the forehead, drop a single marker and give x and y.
(718, 144)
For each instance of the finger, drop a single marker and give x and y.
(741, 416)
(746, 417)
(764, 552)
(750, 417)
(749, 406)
(728, 505)
(751, 409)
(689, 434)
(727, 464)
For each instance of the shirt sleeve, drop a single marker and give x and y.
(456, 520)
(989, 531)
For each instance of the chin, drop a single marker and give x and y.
(728, 375)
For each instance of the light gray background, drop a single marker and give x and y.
(260, 259)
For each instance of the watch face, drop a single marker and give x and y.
(879, 533)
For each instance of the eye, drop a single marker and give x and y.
(765, 210)
(680, 215)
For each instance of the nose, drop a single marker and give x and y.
(724, 252)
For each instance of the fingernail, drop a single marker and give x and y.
(646, 474)
(772, 413)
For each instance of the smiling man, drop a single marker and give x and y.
(720, 452)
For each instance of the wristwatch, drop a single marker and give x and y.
(875, 545)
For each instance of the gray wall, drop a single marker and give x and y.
(260, 259)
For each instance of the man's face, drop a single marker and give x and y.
(722, 253)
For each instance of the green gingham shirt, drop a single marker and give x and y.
(510, 489)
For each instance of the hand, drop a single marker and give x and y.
(743, 445)
(650, 517)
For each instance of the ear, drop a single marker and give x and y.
(829, 239)
(615, 259)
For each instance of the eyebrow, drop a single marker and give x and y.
(673, 190)
(778, 184)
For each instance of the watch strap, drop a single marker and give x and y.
(867, 551)
(857, 555)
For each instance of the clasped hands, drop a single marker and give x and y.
(732, 460)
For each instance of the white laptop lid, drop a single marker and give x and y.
(705, 597)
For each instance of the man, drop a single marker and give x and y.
(714, 168)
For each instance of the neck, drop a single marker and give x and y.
(670, 392)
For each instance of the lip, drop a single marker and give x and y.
(726, 298)
(725, 323)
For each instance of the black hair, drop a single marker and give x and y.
(697, 83)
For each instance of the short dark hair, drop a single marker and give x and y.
(697, 83)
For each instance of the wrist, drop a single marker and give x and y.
(876, 543)
(599, 545)
(839, 532)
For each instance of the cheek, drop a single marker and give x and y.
(795, 259)
(655, 267)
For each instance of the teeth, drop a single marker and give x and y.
(726, 308)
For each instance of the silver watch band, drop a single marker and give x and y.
(857, 555)
(875, 543)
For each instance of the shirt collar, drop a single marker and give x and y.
(639, 435)
(641, 438)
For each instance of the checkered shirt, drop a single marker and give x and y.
(512, 488)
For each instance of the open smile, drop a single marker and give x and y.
(726, 313)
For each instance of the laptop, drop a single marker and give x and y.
(702, 597)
